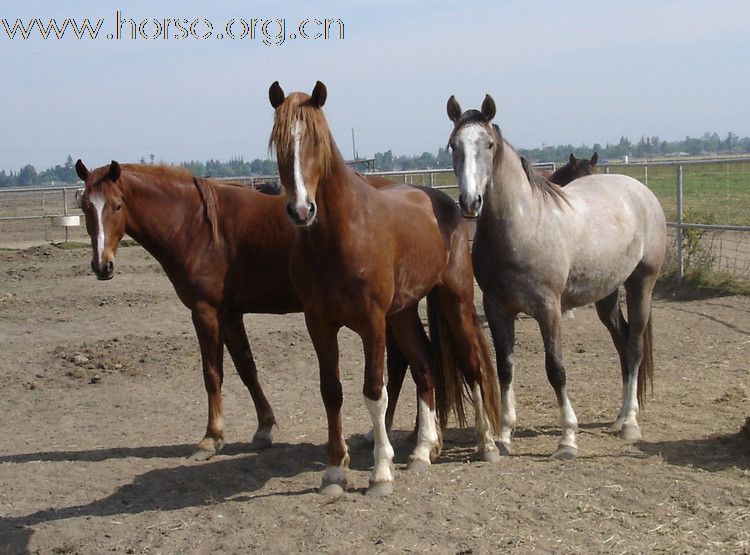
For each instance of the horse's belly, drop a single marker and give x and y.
(599, 273)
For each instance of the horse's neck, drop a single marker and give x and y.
(510, 198)
(146, 223)
(337, 196)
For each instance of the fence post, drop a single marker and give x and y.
(65, 211)
(645, 175)
(680, 257)
(432, 180)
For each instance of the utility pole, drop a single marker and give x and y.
(354, 146)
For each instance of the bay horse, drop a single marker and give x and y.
(225, 248)
(574, 169)
(363, 257)
(540, 249)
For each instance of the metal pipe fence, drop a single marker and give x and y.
(707, 203)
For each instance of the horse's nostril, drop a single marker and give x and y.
(110, 266)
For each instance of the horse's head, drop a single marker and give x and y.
(105, 212)
(583, 166)
(473, 144)
(302, 142)
(574, 169)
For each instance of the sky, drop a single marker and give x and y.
(560, 72)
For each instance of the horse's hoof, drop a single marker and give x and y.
(261, 441)
(504, 449)
(617, 425)
(202, 455)
(331, 489)
(380, 489)
(631, 432)
(565, 453)
(417, 465)
(490, 456)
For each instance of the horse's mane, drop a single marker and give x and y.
(538, 182)
(295, 108)
(206, 188)
(159, 170)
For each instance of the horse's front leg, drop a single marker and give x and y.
(208, 329)
(376, 400)
(235, 338)
(549, 325)
(323, 336)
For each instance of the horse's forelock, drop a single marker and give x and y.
(298, 107)
(473, 116)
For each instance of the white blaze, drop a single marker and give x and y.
(469, 137)
(299, 182)
(98, 204)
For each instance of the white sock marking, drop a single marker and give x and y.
(383, 451)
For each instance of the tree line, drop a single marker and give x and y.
(646, 147)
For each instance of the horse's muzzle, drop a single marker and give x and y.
(302, 216)
(103, 271)
(472, 209)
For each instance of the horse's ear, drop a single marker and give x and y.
(276, 95)
(488, 107)
(319, 94)
(594, 159)
(454, 110)
(114, 171)
(572, 160)
(82, 170)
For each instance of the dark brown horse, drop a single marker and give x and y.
(225, 248)
(574, 169)
(363, 257)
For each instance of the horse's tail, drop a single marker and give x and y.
(449, 386)
(646, 371)
(488, 380)
(450, 383)
(208, 196)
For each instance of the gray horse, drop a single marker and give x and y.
(540, 250)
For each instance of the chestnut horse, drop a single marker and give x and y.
(224, 247)
(541, 249)
(363, 257)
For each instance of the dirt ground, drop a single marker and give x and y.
(102, 401)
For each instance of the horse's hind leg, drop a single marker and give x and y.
(208, 329)
(549, 325)
(502, 326)
(396, 363)
(235, 338)
(638, 287)
(409, 334)
(608, 310)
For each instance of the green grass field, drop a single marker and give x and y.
(716, 193)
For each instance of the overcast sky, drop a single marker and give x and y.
(560, 72)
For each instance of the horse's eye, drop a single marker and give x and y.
(490, 145)
(117, 208)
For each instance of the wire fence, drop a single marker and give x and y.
(707, 204)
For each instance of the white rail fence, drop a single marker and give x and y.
(707, 204)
